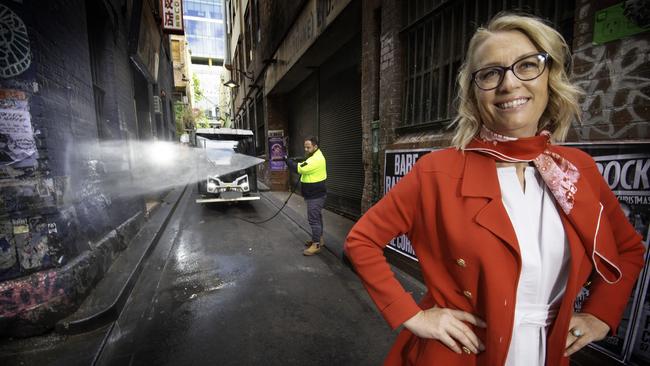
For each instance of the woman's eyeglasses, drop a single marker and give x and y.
(525, 69)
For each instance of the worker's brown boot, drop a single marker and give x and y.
(312, 250)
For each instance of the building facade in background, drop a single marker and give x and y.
(376, 79)
(205, 33)
(183, 95)
(297, 70)
(77, 75)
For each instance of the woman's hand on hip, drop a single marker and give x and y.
(448, 326)
(584, 328)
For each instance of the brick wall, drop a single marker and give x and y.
(277, 119)
(55, 208)
(381, 62)
(370, 93)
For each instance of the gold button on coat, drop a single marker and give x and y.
(460, 262)
(467, 294)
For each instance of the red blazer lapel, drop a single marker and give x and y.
(590, 221)
(480, 180)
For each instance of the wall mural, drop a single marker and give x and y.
(15, 56)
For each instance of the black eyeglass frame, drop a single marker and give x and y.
(505, 69)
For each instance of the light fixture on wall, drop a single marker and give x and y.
(231, 84)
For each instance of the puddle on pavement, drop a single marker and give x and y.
(192, 291)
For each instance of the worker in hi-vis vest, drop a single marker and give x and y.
(313, 173)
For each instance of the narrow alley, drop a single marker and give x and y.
(217, 290)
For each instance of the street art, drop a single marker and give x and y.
(15, 55)
(616, 88)
(18, 298)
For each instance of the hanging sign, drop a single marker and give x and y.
(172, 16)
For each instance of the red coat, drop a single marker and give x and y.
(450, 207)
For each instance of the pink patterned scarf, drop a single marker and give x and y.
(558, 173)
(579, 203)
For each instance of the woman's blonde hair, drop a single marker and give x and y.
(563, 96)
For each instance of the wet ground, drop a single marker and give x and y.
(217, 290)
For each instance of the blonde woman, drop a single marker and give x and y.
(507, 226)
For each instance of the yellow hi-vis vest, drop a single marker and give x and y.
(313, 170)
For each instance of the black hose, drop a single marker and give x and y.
(275, 214)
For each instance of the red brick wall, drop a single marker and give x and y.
(277, 119)
(369, 91)
(381, 55)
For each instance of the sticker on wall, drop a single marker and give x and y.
(20, 226)
(15, 56)
(32, 247)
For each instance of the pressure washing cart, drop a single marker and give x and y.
(227, 167)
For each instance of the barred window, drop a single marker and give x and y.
(435, 39)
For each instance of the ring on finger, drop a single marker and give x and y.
(466, 350)
(577, 332)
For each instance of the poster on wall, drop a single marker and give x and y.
(277, 150)
(397, 163)
(17, 144)
(625, 167)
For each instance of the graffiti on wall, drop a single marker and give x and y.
(15, 56)
(616, 86)
(18, 298)
(28, 244)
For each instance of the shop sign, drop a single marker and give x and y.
(397, 163)
(172, 16)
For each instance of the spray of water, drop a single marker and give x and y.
(142, 167)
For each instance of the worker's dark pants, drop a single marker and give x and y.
(315, 217)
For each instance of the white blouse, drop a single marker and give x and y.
(545, 257)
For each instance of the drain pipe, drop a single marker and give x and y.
(375, 161)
